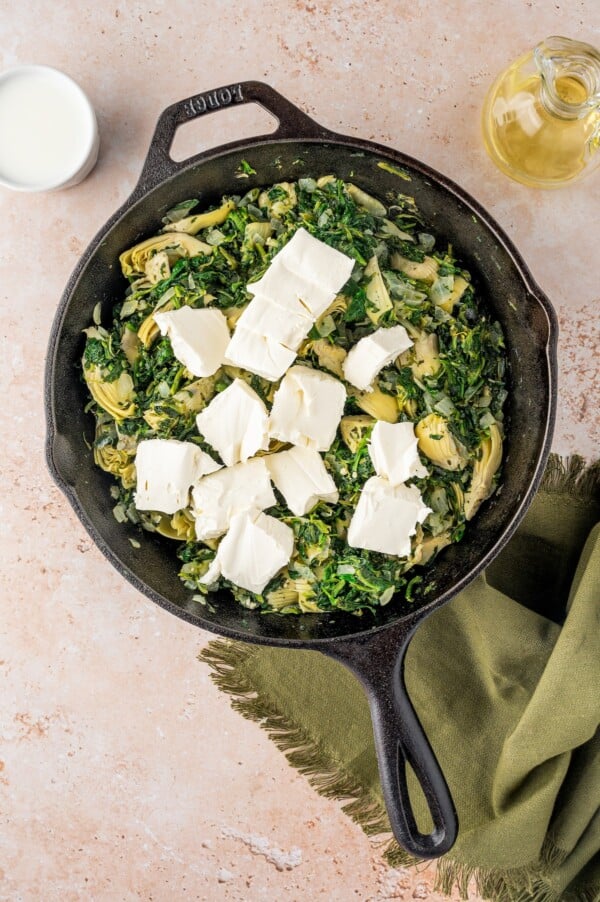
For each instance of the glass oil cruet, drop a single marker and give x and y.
(541, 118)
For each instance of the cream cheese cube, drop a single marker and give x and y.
(165, 471)
(327, 266)
(307, 408)
(288, 325)
(198, 337)
(287, 287)
(235, 423)
(258, 354)
(300, 283)
(306, 269)
(394, 452)
(372, 353)
(302, 478)
(216, 498)
(253, 551)
(386, 517)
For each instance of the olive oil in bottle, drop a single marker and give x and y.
(541, 118)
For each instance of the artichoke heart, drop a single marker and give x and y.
(364, 200)
(376, 291)
(158, 267)
(378, 404)
(119, 463)
(426, 353)
(195, 396)
(424, 272)
(330, 357)
(484, 470)
(155, 418)
(460, 286)
(130, 345)
(257, 233)
(148, 331)
(432, 545)
(416, 555)
(192, 224)
(438, 444)
(306, 605)
(298, 592)
(116, 398)
(282, 204)
(283, 597)
(407, 405)
(232, 314)
(459, 495)
(354, 428)
(136, 258)
(179, 527)
(390, 228)
(338, 305)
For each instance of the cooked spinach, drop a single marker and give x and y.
(453, 378)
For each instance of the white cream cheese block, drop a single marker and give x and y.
(256, 547)
(302, 478)
(394, 452)
(307, 408)
(258, 354)
(386, 517)
(198, 337)
(165, 471)
(216, 498)
(305, 269)
(372, 353)
(300, 283)
(235, 423)
(288, 323)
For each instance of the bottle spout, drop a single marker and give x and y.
(570, 73)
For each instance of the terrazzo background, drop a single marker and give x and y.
(124, 774)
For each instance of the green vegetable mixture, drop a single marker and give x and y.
(450, 383)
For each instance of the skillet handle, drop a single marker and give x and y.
(292, 123)
(378, 662)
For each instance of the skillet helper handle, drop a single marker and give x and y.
(292, 123)
(400, 739)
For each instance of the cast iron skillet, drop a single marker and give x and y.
(373, 647)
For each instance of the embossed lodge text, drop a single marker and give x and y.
(213, 100)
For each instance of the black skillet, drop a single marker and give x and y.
(373, 647)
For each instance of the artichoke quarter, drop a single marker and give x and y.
(192, 224)
(424, 272)
(130, 345)
(426, 353)
(329, 356)
(377, 294)
(137, 258)
(148, 331)
(119, 463)
(286, 200)
(366, 201)
(460, 286)
(438, 444)
(116, 398)
(378, 404)
(484, 471)
(432, 545)
(353, 429)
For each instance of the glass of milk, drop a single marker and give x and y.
(48, 130)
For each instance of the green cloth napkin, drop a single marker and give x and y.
(506, 681)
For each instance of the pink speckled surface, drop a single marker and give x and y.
(124, 774)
